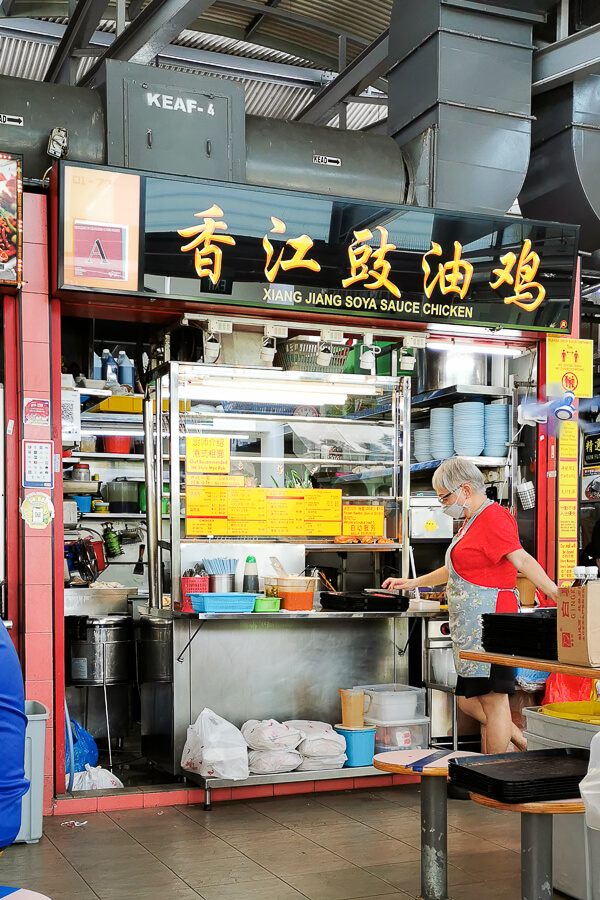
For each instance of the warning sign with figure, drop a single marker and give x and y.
(100, 250)
(569, 365)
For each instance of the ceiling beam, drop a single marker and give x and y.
(362, 71)
(294, 19)
(258, 20)
(80, 29)
(152, 30)
(562, 62)
(134, 9)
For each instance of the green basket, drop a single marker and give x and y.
(300, 355)
(267, 604)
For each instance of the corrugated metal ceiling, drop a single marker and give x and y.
(278, 40)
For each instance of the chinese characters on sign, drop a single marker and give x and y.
(207, 455)
(368, 261)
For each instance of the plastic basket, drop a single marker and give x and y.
(267, 604)
(585, 711)
(195, 584)
(223, 603)
(300, 355)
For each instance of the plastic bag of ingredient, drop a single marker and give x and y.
(562, 688)
(95, 779)
(273, 762)
(215, 748)
(271, 735)
(590, 786)
(318, 764)
(85, 751)
(321, 740)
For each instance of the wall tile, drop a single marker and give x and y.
(125, 801)
(38, 566)
(165, 798)
(302, 787)
(35, 367)
(35, 223)
(43, 691)
(337, 784)
(248, 793)
(38, 657)
(76, 807)
(39, 600)
(35, 269)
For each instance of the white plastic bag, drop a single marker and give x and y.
(215, 747)
(321, 740)
(271, 735)
(318, 764)
(273, 762)
(94, 778)
(590, 786)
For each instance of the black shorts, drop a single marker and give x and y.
(501, 680)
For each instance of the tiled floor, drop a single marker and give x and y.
(328, 846)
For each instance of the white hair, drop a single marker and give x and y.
(455, 472)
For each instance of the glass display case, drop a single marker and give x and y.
(262, 455)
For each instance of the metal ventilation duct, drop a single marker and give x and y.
(324, 160)
(460, 99)
(562, 183)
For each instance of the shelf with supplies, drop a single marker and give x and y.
(482, 462)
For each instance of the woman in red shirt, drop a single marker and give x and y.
(481, 577)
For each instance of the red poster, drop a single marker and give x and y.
(100, 250)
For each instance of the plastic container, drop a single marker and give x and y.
(81, 472)
(109, 365)
(296, 592)
(117, 443)
(360, 745)
(392, 703)
(223, 603)
(548, 732)
(223, 584)
(125, 370)
(164, 503)
(83, 501)
(267, 604)
(35, 745)
(587, 712)
(122, 495)
(195, 584)
(250, 583)
(353, 707)
(412, 735)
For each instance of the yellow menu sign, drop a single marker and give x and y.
(567, 479)
(569, 440)
(215, 480)
(567, 520)
(363, 521)
(207, 455)
(569, 364)
(567, 560)
(262, 512)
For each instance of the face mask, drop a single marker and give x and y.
(456, 510)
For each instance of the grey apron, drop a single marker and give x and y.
(466, 604)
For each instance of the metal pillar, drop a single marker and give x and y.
(151, 520)
(434, 838)
(536, 856)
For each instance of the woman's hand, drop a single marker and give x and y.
(400, 584)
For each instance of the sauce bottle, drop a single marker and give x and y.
(251, 583)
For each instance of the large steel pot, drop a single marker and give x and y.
(155, 649)
(99, 649)
(445, 368)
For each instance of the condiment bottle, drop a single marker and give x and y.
(580, 576)
(97, 497)
(250, 583)
(591, 573)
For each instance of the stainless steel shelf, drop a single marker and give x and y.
(78, 454)
(336, 548)
(287, 778)
(482, 462)
(316, 614)
(458, 393)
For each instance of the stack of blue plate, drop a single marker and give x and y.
(468, 428)
(496, 429)
(422, 445)
(441, 433)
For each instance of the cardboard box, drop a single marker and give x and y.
(579, 625)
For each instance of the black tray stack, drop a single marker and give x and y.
(521, 634)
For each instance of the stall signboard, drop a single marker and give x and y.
(590, 486)
(207, 455)
(262, 512)
(569, 365)
(591, 449)
(11, 220)
(363, 521)
(234, 245)
(568, 490)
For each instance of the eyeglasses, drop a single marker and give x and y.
(444, 497)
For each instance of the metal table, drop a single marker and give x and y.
(536, 840)
(434, 812)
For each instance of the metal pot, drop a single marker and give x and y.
(155, 649)
(445, 368)
(100, 649)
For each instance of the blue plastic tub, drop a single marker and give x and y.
(360, 745)
(223, 603)
(83, 501)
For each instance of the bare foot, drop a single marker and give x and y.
(518, 739)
